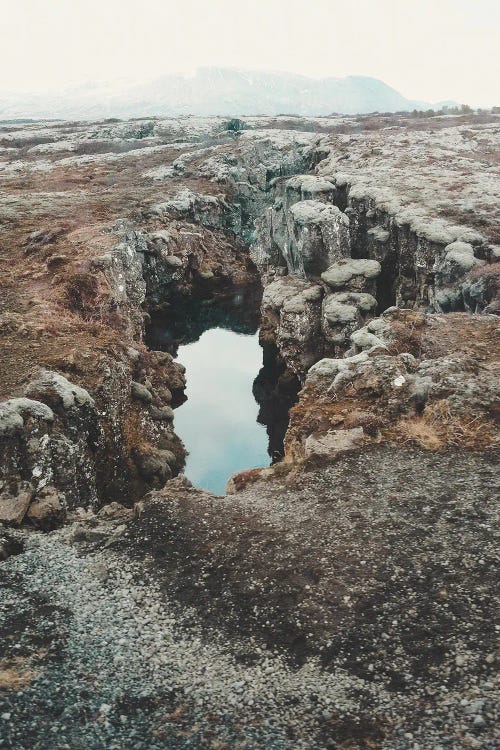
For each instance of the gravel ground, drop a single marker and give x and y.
(172, 629)
(110, 663)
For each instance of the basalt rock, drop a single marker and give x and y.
(291, 320)
(342, 314)
(398, 385)
(48, 509)
(306, 237)
(318, 201)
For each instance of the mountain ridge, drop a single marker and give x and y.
(213, 91)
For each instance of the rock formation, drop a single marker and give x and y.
(353, 580)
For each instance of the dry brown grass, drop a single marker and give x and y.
(490, 271)
(439, 426)
(407, 331)
(15, 674)
(418, 430)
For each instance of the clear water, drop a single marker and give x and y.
(218, 422)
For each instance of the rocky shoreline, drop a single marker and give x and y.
(343, 597)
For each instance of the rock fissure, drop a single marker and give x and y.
(330, 256)
(343, 597)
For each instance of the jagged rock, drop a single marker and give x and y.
(343, 313)
(307, 187)
(450, 267)
(291, 319)
(52, 440)
(480, 291)
(308, 235)
(14, 505)
(323, 236)
(208, 210)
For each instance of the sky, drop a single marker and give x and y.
(429, 50)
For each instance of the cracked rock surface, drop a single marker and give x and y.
(341, 599)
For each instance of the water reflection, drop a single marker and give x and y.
(186, 319)
(218, 422)
(235, 412)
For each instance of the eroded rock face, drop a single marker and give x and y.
(382, 504)
(161, 210)
(58, 437)
(291, 321)
(356, 275)
(306, 236)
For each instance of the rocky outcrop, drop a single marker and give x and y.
(291, 321)
(408, 377)
(335, 248)
(87, 448)
(305, 234)
(295, 632)
(50, 438)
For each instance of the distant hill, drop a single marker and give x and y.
(214, 91)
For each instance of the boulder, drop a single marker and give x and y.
(14, 505)
(162, 414)
(356, 274)
(343, 313)
(140, 392)
(56, 390)
(155, 466)
(15, 411)
(333, 442)
(172, 261)
(47, 509)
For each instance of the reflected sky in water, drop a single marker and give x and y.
(218, 422)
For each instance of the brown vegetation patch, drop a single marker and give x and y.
(438, 426)
(15, 673)
(474, 338)
(407, 331)
(81, 291)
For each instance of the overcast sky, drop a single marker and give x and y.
(427, 49)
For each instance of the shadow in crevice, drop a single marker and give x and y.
(276, 390)
(386, 283)
(187, 318)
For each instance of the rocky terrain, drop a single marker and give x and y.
(341, 598)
